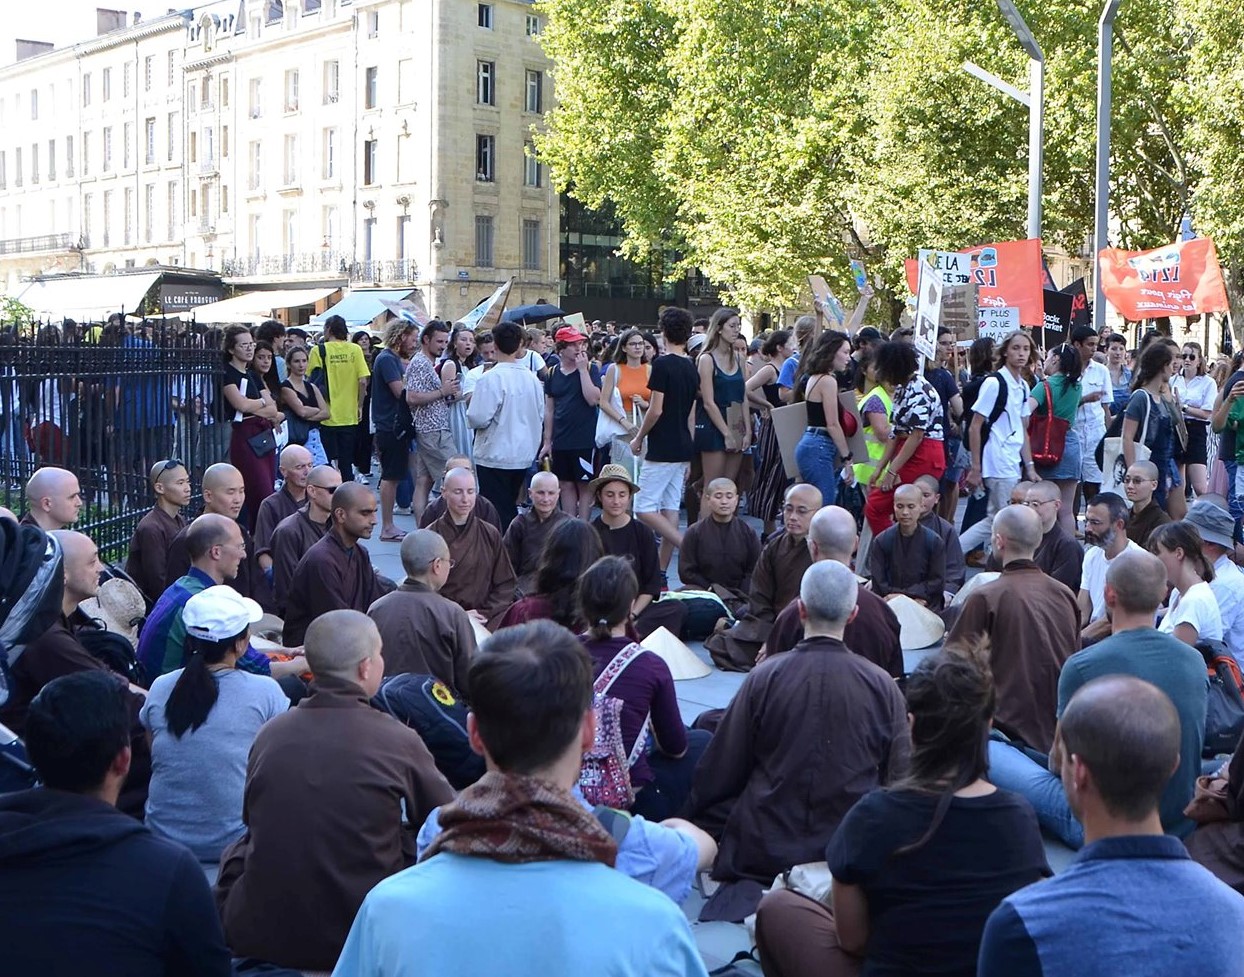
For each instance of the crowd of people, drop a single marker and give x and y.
(243, 800)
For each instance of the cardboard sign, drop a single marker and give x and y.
(1057, 328)
(1007, 275)
(1182, 279)
(860, 276)
(997, 324)
(790, 421)
(928, 308)
(956, 267)
(576, 320)
(1081, 307)
(959, 309)
(825, 303)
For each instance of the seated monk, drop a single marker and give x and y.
(147, 560)
(423, 632)
(289, 498)
(1140, 483)
(224, 494)
(525, 537)
(296, 534)
(481, 581)
(337, 573)
(436, 508)
(719, 552)
(775, 583)
(908, 558)
(931, 497)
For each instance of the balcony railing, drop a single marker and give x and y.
(34, 245)
(326, 262)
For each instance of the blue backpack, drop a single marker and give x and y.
(438, 714)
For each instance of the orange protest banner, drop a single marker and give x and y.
(1008, 275)
(1182, 279)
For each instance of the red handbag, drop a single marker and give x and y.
(1047, 434)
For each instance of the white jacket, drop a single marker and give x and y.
(507, 411)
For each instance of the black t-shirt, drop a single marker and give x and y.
(1226, 439)
(247, 384)
(574, 419)
(927, 909)
(676, 378)
(944, 383)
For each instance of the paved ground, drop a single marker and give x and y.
(718, 942)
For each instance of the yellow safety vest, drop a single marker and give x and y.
(876, 447)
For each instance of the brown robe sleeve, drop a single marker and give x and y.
(463, 652)
(764, 587)
(500, 590)
(724, 769)
(148, 558)
(787, 631)
(751, 554)
(691, 569)
(178, 564)
(974, 619)
(513, 540)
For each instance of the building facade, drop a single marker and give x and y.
(374, 142)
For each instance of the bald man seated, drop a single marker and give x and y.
(284, 502)
(909, 558)
(1060, 554)
(423, 632)
(720, 551)
(224, 494)
(296, 534)
(1140, 483)
(336, 573)
(335, 793)
(775, 583)
(482, 579)
(147, 559)
(60, 651)
(526, 535)
(53, 499)
(1033, 625)
(436, 508)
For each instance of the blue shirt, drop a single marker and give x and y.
(650, 853)
(1134, 906)
(459, 915)
(144, 391)
(786, 376)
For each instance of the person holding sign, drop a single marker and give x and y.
(916, 443)
(822, 451)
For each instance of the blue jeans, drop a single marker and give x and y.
(1013, 770)
(1234, 502)
(816, 455)
(667, 795)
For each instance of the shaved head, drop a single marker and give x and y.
(324, 476)
(7, 514)
(805, 493)
(337, 642)
(718, 484)
(1137, 580)
(1145, 469)
(458, 476)
(458, 461)
(929, 482)
(1044, 491)
(352, 495)
(1021, 528)
(545, 478)
(420, 549)
(54, 498)
(293, 456)
(802, 501)
(219, 476)
(163, 471)
(832, 531)
(81, 565)
(909, 493)
(207, 531)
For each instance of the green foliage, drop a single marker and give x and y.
(13, 312)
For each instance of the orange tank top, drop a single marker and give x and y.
(632, 382)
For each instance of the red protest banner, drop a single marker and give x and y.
(1181, 279)
(1008, 274)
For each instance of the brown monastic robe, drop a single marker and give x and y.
(775, 583)
(250, 581)
(437, 508)
(524, 541)
(1033, 625)
(330, 577)
(1060, 555)
(720, 556)
(482, 578)
(147, 560)
(914, 565)
(277, 506)
(874, 634)
(290, 541)
(424, 633)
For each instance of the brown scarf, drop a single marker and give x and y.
(510, 818)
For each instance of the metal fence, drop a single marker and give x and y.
(108, 406)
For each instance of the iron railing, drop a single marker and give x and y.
(33, 245)
(107, 407)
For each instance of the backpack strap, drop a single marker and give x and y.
(605, 682)
(1004, 394)
(617, 823)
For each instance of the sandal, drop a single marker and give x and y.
(396, 537)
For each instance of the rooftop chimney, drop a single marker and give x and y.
(109, 20)
(32, 49)
(137, 18)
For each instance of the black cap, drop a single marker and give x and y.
(869, 332)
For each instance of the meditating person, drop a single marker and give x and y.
(1060, 554)
(422, 631)
(660, 773)
(623, 535)
(481, 580)
(908, 558)
(943, 821)
(720, 551)
(806, 736)
(295, 468)
(525, 536)
(202, 720)
(147, 559)
(775, 583)
(569, 550)
(483, 507)
(930, 499)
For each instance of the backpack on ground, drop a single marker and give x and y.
(31, 590)
(606, 775)
(438, 714)
(114, 650)
(319, 376)
(1224, 704)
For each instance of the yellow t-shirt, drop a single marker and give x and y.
(346, 366)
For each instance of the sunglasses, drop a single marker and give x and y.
(168, 466)
(1189, 356)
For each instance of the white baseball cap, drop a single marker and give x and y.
(218, 613)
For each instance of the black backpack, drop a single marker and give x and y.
(438, 714)
(999, 408)
(115, 651)
(319, 376)
(31, 589)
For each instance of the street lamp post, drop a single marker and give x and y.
(1101, 210)
(1034, 99)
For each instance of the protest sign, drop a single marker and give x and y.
(996, 324)
(825, 302)
(1081, 311)
(1008, 274)
(1057, 328)
(959, 309)
(860, 276)
(928, 309)
(1182, 279)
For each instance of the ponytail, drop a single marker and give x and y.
(605, 595)
(196, 690)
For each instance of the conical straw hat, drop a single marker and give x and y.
(919, 627)
(986, 576)
(682, 661)
(482, 634)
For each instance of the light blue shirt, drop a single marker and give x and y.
(459, 916)
(650, 853)
(786, 375)
(1228, 589)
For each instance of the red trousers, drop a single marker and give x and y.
(928, 459)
